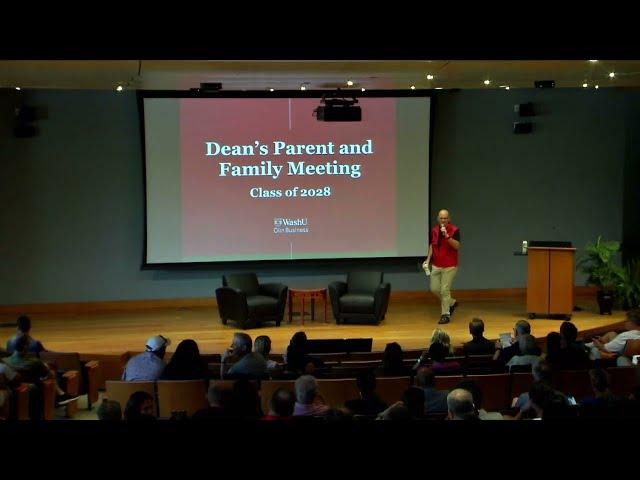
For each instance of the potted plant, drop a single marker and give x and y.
(628, 291)
(598, 263)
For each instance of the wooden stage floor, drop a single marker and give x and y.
(409, 321)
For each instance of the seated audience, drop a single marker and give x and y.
(572, 355)
(528, 352)
(24, 330)
(542, 374)
(262, 345)
(297, 359)
(439, 363)
(369, 403)
(308, 401)
(460, 405)
(392, 362)
(33, 370)
(435, 401)
(414, 400)
(473, 388)
(140, 407)
(109, 410)
(245, 363)
(478, 345)
(398, 412)
(615, 343)
(603, 404)
(281, 405)
(219, 399)
(554, 345)
(149, 365)
(245, 400)
(186, 363)
(504, 354)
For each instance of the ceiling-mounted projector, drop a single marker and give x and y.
(338, 109)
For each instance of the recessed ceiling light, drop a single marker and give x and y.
(612, 74)
(507, 87)
(363, 89)
(438, 88)
(119, 88)
(302, 87)
(593, 61)
(350, 83)
(429, 77)
(413, 87)
(597, 87)
(585, 85)
(487, 82)
(17, 88)
(271, 89)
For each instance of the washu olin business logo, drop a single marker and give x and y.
(290, 225)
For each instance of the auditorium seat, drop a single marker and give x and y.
(89, 372)
(575, 383)
(623, 379)
(496, 390)
(520, 383)
(448, 382)
(391, 389)
(181, 395)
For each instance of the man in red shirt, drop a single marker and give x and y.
(444, 244)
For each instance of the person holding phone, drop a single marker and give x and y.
(442, 258)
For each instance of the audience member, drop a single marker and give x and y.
(478, 344)
(149, 365)
(186, 363)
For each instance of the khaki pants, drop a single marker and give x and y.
(441, 281)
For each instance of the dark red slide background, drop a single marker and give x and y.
(220, 218)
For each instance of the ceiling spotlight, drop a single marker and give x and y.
(585, 85)
(487, 82)
(429, 77)
(438, 88)
(119, 88)
(593, 61)
(350, 83)
(597, 87)
(271, 89)
(413, 87)
(507, 87)
(302, 87)
(612, 74)
(17, 88)
(363, 89)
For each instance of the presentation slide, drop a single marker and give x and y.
(244, 179)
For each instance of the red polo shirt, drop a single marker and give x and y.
(444, 255)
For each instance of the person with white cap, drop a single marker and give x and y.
(149, 365)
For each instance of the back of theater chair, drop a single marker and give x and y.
(89, 379)
(631, 348)
(268, 387)
(391, 389)
(336, 392)
(183, 395)
(121, 391)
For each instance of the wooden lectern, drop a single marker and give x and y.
(550, 281)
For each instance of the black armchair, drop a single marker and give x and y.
(363, 298)
(248, 303)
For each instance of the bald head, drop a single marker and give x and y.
(460, 405)
(443, 217)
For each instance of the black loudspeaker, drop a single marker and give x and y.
(544, 83)
(524, 109)
(522, 127)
